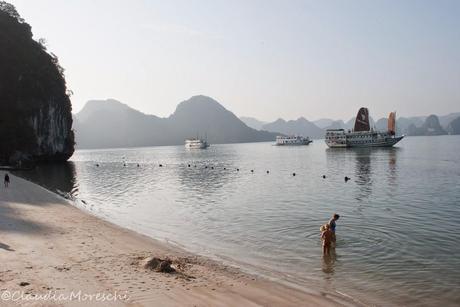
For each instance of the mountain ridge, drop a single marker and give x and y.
(111, 124)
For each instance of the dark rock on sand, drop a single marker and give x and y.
(158, 265)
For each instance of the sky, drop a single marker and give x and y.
(264, 59)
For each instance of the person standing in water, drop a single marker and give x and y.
(332, 226)
(326, 238)
(7, 180)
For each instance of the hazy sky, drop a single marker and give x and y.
(266, 59)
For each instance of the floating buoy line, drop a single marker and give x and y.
(346, 178)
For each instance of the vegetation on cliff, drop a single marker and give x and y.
(35, 109)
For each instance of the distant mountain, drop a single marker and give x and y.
(454, 126)
(300, 126)
(431, 126)
(323, 122)
(337, 124)
(381, 124)
(110, 123)
(447, 119)
(252, 122)
(403, 123)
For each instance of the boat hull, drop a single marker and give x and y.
(296, 140)
(295, 144)
(201, 146)
(387, 142)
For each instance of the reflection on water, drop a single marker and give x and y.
(397, 238)
(205, 177)
(329, 262)
(363, 173)
(369, 162)
(57, 177)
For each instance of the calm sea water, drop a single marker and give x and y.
(398, 238)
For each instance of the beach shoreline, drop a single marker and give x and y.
(51, 247)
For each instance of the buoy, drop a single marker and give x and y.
(268, 172)
(293, 174)
(161, 165)
(137, 164)
(189, 165)
(252, 171)
(97, 165)
(212, 167)
(237, 169)
(124, 164)
(225, 169)
(347, 178)
(206, 166)
(324, 176)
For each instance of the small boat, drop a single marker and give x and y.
(196, 143)
(363, 135)
(292, 140)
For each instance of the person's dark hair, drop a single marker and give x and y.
(336, 216)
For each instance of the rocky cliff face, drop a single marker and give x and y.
(35, 110)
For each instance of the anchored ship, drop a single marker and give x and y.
(196, 143)
(363, 135)
(292, 140)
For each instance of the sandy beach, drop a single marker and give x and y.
(56, 254)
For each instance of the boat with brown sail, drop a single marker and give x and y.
(362, 135)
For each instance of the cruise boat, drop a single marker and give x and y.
(363, 135)
(292, 140)
(196, 143)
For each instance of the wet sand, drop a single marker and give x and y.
(49, 247)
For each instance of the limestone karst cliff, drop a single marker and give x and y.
(35, 109)
(431, 126)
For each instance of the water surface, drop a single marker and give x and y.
(398, 235)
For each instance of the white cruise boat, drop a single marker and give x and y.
(196, 143)
(362, 135)
(292, 140)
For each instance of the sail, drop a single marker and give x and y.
(392, 123)
(362, 120)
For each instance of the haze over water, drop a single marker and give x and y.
(398, 235)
